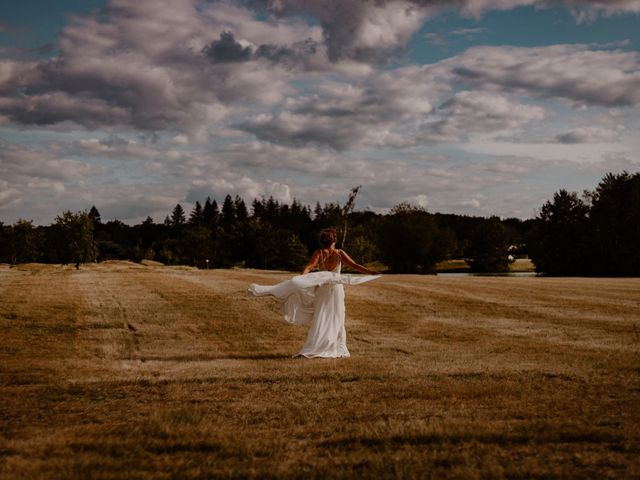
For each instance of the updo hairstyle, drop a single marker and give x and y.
(327, 237)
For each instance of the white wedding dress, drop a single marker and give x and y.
(316, 298)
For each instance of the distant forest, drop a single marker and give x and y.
(596, 233)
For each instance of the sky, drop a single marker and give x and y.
(478, 107)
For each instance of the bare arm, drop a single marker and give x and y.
(315, 258)
(356, 266)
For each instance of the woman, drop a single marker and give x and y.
(318, 298)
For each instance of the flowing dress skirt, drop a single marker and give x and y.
(317, 299)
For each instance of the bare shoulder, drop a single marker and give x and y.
(343, 254)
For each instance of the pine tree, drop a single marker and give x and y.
(94, 215)
(228, 211)
(177, 216)
(258, 208)
(210, 213)
(197, 216)
(241, 209)
(272, 210)
(215, 213)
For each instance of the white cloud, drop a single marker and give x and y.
(571, 153)
(387, 26)
(420, 200)
(143, 66)
(33, 180)
(571, 72)
(467, 113)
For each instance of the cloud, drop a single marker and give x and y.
(420, 200)
(468, 31)
(376, 111)
(187, 67)
(32, 178)
(588, 135)
(20, 164)
(227, 49)
(468, 112)
(299, 55)
(583, 10)
(113, 147)
(572, 72)
(587, 11)
(371, 31)
(353, 29)
(394, 110)
(142, 65)
(247, 187)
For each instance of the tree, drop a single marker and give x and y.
(116, 241)
(272, 211)
(178, 217)
(22, 242)
(240, 209)
(197, 215)
(258, 209)
(559, 242)
(75, 238)
(4, 243)
(210, 213)
(614, 225)
(148, 232)
(276, 248)
(94, 215)
(488, 247)
(410, 240)
(228, 216)
(194, 246)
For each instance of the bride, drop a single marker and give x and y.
(318, 298)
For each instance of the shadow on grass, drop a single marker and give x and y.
(209, 358)
(587, 436)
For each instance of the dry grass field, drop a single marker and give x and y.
(125, 371)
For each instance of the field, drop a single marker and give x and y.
(124, 371)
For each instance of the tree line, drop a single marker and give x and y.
(597, 233)
(267, 235)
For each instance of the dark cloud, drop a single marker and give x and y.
(227, 49)
(297, 54)
(588, 135)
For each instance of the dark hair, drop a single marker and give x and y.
(327, 237)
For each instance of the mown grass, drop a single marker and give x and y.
(123, 371)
